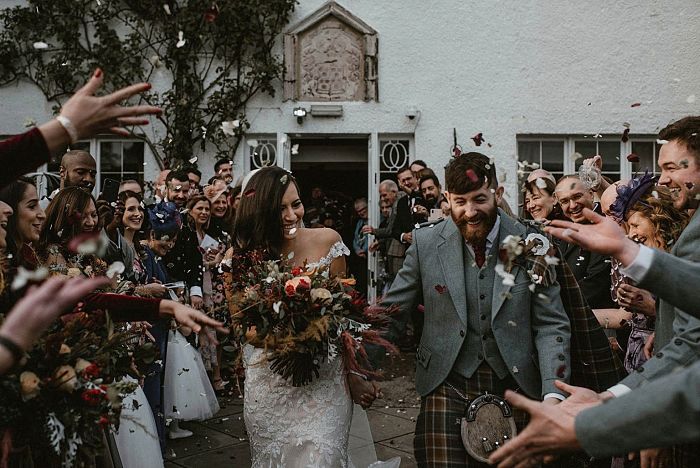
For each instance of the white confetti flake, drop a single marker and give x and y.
(295, 148)
(532, 287)
(661, 142)
(276, 307)
(253, 143)
(193, 160)
(23, 276)
(540, 182)
(181, 39)
(551, 260)
(512, 323)
(166, 7)
(116, 268)
(515, 369)
(229, 128)
(39, 45)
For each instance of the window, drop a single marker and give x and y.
(263, 152)
(557, 154)
(548, 154)
(394, 154)
(648, 152)
(118, 159)
(121, 160)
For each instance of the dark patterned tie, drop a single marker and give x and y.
(480, 253)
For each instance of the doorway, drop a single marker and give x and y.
(332, 173)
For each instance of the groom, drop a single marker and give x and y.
(480, 335)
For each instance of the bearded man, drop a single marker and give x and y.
(481, 333)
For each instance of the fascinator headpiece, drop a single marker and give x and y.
(629, 194)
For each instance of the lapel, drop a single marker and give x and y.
(451, 257)
(508, 227)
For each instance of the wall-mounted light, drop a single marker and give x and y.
(299, 113)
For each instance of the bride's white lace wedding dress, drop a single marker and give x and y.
(297, 427)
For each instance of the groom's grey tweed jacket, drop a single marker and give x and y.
(531, 329)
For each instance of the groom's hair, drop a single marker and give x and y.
(468, 172)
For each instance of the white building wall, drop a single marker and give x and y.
(502, 68)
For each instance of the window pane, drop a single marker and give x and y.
(394, 154)
(587, 149)
(133, 156)
(529, 151)
(645, 151)
(553, 156)
(610, 151)
(111, 157)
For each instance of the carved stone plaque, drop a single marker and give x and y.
(331, 62)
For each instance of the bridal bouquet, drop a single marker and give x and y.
(301, 316)
(67, 389)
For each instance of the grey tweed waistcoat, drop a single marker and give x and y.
(480, 343)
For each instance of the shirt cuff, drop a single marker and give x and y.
(196, 291)
(619, 389)
(641, 264)
(558, 396)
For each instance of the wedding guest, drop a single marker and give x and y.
(131, 185)
(195, 177)
(540, 203)
(219, 227)
(160, 187)
(24, 225)
(82, 116)
(432, 193)
(360, 245)
(592, 271)
(651, 220)
(409, 209)
(184, 260)
(417, 166)
(211, 252)
(224, 169)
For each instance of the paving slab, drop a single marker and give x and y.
(387, 426)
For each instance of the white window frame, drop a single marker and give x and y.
(96, 153)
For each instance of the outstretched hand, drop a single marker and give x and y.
(92, 114)
(603, 236)
(189, 317)
(550, 431)
(43, 304)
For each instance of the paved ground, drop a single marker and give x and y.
(222, 441)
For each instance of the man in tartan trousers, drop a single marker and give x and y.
(481, 333)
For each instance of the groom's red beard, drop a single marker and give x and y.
(476, 234)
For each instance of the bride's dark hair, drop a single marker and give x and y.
(258, 223)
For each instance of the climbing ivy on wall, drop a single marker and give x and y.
(206, 60)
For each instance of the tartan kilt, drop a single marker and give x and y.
(438, 437)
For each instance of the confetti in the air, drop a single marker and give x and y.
(181, 39)
(440, 288)
(116, 268)
(295, 148)
(193, 160)
(478, 139)
(39, 45)
(633, 158)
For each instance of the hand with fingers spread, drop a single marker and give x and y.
(85, 115)
(580, 398)
(550, 431)
(603, 236)
(189, 317)
(40, 306)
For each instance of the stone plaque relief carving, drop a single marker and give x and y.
(330, 63)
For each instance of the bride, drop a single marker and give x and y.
(294, 426)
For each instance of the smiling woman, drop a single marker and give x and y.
(24, 226)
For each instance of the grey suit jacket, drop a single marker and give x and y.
(675, 280)
(531, 328)
(664, 412)
(677, 332)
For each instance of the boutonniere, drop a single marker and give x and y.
(522, 252)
